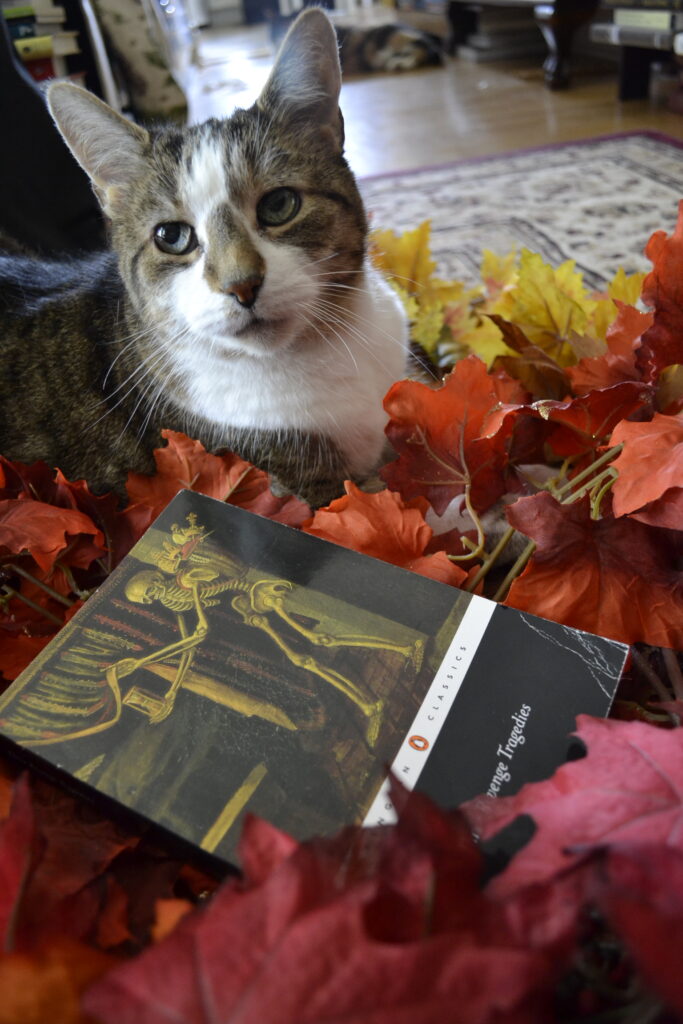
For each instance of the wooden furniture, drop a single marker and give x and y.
(558, 21)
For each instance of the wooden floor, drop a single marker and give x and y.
(401, 121)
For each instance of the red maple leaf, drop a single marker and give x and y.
(385, 527)
(582, 424)
(662, 343)
(626, 790)
(650, 470)
(346, 929)
(438, 435)
(614, 577)
(642, 897)
(185, 464)
(619, 362)
(45, 531)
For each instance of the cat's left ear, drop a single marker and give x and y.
(305, 83)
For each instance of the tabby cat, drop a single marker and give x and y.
(236, 304)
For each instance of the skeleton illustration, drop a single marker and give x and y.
(261, 604)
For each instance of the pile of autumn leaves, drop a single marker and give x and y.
(574, 412)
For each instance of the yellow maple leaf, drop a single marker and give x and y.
(405, 258)
(498, 273)
(466, 332)
(549, 305)
(623, 286)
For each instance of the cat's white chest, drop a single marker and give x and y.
(334, 387)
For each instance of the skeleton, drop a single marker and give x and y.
(261, 605)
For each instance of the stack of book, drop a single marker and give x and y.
(652, 25)
(40, 38)
(503, 33)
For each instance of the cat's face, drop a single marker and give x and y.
(236, 236)
(241, 234)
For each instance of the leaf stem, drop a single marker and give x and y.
(596, 501)
(515, 570)
(39, 583)
(481, 536)
(11, 592)
(585, 473)
(491, 558)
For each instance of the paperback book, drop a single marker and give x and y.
(233, 664)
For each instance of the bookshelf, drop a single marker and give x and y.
(46, 201)
(645, 33)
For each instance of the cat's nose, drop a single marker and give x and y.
(245, 291)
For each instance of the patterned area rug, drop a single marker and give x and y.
(596, 202)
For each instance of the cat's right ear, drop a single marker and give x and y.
(109, 148)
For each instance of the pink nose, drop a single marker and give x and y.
(245, 291)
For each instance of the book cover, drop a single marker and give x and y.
(646, 5)
(231, 663)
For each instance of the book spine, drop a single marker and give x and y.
(617, 35)
(21, 28)
(34, 49)
(40, 70)
(630, 17)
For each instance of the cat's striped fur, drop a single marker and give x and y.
(268, 334)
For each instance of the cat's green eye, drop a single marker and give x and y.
(278, 207)
(175, 238)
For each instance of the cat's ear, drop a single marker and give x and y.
(305, 83)
(109, 148)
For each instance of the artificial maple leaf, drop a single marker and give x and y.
(53, 854)
(498, 273)
(626, 789)
(582, 424)
(47, 985)
(168, 913)
(622, 289)
(650, 468)
(341, 930)
(619, 361)
(185, 463)
(17, 652)
(669, 397)
(18, 848)
(549, 305)
(385, 527)
(407, 263)
(642, 897)
(662, 343)
(466, 331)
(538, 372)
(437, 434)
(614, 577)
(44, 530)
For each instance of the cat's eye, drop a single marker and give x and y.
(175, 238)
(278, 207)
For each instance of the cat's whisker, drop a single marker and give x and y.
(341, 338)
(361, 321)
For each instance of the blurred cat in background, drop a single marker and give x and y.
(236, 304)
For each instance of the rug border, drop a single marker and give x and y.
(425, 169)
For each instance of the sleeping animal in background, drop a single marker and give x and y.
(386, 48)
(236, 304)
